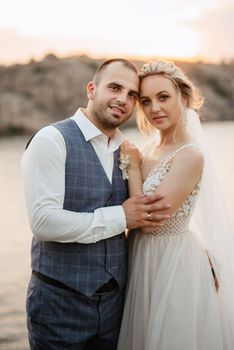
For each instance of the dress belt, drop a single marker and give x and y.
(110, 286)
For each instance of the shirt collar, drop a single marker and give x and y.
(90, 131)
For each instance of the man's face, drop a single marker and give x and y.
(114, 97)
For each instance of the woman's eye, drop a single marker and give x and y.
(145, 102)
(163, 98)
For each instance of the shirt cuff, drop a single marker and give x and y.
(112, 222)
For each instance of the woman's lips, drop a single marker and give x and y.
(159, 118)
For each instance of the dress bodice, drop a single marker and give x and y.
(179, 222)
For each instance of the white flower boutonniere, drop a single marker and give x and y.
(125, 163)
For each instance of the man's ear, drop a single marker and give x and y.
(90, 90)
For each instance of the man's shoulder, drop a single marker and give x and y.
(48, 132)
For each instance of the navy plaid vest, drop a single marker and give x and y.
(85, 267)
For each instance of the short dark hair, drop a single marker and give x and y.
(106, 63)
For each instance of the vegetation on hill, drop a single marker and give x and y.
(39, 93)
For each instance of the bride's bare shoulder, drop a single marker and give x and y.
(190, 158)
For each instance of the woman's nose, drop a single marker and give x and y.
(156, 106)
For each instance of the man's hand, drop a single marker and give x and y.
(143, 210)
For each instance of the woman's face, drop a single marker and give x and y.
(161, 102)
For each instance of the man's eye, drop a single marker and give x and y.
(114, 87)
(133, 96)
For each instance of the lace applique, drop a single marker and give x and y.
(186, 208)
(179, 221)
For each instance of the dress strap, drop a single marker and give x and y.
(173, 154)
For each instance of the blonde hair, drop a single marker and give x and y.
(189, 92)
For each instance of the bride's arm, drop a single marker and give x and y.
(127, 149)
(135, 182)
(183, 176)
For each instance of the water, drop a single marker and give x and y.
(15, 235)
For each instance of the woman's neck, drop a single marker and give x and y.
(174, 137)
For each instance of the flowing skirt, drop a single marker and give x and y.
(171, 300)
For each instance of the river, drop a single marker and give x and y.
(15, 235)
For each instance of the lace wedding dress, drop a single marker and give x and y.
(171, 300)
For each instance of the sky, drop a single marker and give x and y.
(179, 29)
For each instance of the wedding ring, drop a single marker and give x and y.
(149, 216)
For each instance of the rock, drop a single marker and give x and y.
(39, 93)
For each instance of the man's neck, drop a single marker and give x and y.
(109, 133)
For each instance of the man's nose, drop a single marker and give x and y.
(122, 98)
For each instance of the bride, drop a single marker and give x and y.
(178, 297)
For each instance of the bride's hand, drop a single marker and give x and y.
(129, 149)
(216, 281)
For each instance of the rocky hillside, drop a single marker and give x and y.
(39, 93)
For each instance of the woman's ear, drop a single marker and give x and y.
(185, 101)
(90, 90)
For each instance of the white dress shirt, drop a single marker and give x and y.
(43, 169)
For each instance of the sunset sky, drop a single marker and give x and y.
(195, 29)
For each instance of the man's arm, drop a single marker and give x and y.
(43, 169)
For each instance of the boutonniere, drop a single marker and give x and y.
(125, 163)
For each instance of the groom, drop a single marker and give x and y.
(78, 211)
